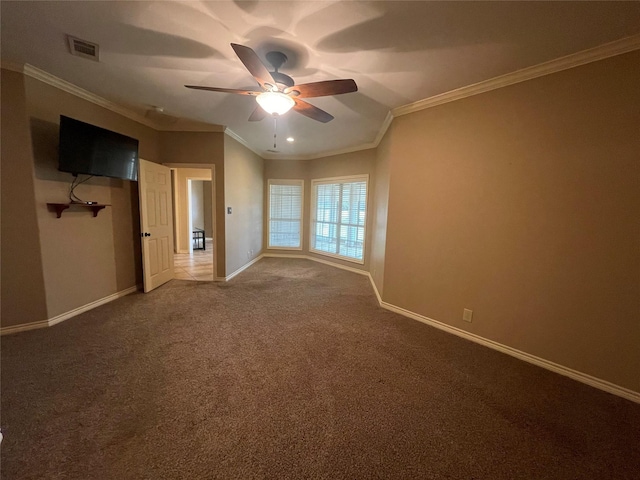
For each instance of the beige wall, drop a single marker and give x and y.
(52, 266)
(244, 177)
(84, 259)
(380, 212)
(23, 288)
(201, 149)
(523, 204)
(362, 162)
(197, 204)
(207, 199)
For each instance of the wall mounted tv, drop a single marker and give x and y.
(90, 150)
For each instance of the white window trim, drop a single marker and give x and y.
(285, 182)
(345, 179)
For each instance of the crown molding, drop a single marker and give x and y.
(208, 128)
(49, 79)
(331, 153)
(68, 87)
(601, 52)
(241, 141)
(383, 129)
(366, 146)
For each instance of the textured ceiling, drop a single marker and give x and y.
(397, 52)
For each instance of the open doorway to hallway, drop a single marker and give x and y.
(194, 226)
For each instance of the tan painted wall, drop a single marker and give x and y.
(244, 179)
(355, 163)
(380, 212)
(197, 204)
(23, 288)
(201, 149)
(207, 199)
(523, 204)
(84, 258)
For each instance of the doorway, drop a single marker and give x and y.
(194, 230)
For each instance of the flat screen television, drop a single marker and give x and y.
(90, 150)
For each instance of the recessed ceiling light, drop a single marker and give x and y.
(290, 139)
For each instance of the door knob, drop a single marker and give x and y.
(145, 234)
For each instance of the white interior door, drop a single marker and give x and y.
(156, 223)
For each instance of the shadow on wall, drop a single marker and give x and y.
(44, 143)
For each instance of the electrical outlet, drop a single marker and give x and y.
(229, 210)
(467, 315)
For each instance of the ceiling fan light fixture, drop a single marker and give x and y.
(275, 102)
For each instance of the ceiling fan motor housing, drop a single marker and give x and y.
(277, 59)
(282, 80)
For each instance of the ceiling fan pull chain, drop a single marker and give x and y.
(275, 130)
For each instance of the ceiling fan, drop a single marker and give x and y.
(279, 93)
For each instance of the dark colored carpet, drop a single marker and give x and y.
(292, 371)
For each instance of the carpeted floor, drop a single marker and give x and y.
(292, 371)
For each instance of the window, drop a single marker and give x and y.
(339, 208)
(285, 214)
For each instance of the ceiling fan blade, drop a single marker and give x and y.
(257, 114)
(323, 89)
(225, 90)
(256, 68)
(311, 111)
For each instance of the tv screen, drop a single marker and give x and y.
(90, 150)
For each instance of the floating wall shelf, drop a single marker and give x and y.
(61, 207)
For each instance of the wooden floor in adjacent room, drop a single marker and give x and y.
(195, 266)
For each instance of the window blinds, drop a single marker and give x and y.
(285, 214)
(338, 226)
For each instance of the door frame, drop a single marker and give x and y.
(212, 168)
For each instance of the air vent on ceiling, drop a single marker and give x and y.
(82, 48)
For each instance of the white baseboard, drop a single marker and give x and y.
(285, 255)
(540, 362)
(319, 260)
(89, 306)
(240, 270)
(23, 327)
(375, 289)
(67, 315)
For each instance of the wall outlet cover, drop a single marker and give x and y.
(467, 315)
